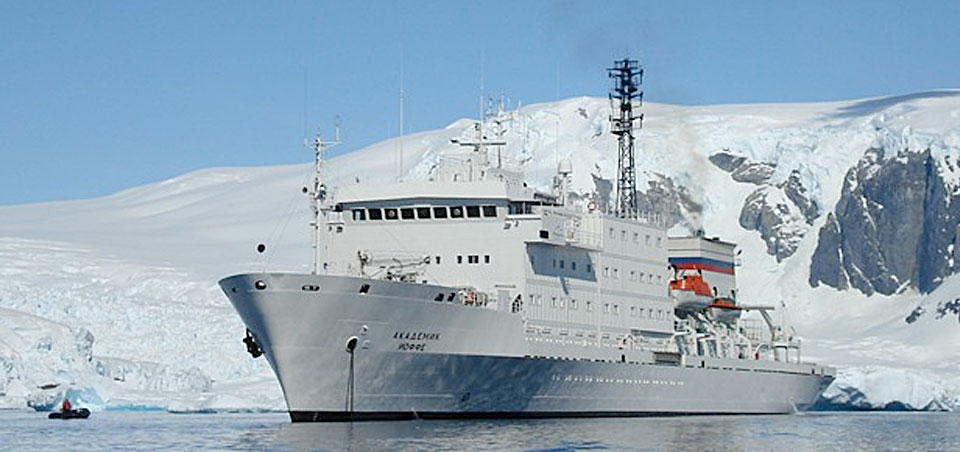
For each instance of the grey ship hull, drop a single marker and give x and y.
(420, 358)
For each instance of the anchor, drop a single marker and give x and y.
(252, 348)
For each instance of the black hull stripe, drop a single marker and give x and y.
(343, 416)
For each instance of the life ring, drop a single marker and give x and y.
(591, 206)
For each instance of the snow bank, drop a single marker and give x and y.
(891, 389)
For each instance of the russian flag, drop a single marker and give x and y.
(702, 263)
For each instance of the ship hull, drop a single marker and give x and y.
(417, 357)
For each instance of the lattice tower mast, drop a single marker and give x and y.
(626, 77)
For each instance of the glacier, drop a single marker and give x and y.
(113, 301)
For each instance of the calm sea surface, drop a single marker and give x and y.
(24, 430)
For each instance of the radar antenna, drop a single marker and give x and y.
(318, 191)
(626, 76)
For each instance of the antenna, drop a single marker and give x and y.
(626, 77)
(318, 192)
(400, 139)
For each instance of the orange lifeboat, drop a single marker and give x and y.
(691, 292)
(725, 310)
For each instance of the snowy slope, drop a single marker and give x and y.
(137, 270)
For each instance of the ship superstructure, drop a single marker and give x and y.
(475, 295)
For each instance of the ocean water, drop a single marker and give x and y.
(26, 430)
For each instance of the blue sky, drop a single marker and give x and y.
(100, 96)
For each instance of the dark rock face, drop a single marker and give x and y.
(830, 270)
(892, 227)
(742, 170)
(726, 160)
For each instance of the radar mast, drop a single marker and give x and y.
(626, 77)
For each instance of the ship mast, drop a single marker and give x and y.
(626, 76)
(318, 193)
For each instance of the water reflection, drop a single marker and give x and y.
(872, 431)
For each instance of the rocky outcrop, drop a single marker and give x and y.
(741, 169)
(667, 200)
(782, 214)
(726, 160)
(892, 228)
(664, 200)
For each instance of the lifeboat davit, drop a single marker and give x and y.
(691, 292)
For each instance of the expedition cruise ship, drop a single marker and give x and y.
(474, 295)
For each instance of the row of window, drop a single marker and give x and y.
(471, 259)
(634, 276)
(608, 308)
(424, 213)
(612, 233)
(610, 272)
(573, 265)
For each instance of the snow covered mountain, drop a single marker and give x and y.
(847, 214)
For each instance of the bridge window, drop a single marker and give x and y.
(636, 237)
(473, 211)
(490, 211)
(406, 213)
(573, 265)
(473, 259)
(440, 212)
(390, 214)
(456, 212)
(438, 260)
(459, 258)
(589, 306)
(359, 215)
(613, 233)
(561, 263)
(659, 242)
(573, 304)
(423, 213)
(375, 214)
(486, 259)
